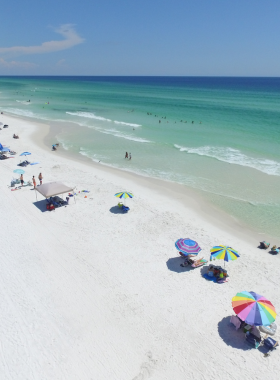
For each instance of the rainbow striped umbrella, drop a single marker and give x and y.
(187, 246)
(254, 309)
(222, 252)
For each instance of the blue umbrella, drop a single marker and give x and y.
(2, 149)
(19, 171)
(25, 154)
(187, 246)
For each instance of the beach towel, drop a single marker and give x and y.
(210, 278)
(199, 263)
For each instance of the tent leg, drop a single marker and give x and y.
(74, 197)
(36, 195)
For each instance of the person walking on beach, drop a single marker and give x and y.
(34, 182)
(130, 156)
(126, 155)
(40, 177)
(21, 179)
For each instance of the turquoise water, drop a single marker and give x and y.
(219, 136)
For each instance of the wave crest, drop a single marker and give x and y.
(88, 115)
(129, 124)
(234, 156)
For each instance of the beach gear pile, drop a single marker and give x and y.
(253, 311)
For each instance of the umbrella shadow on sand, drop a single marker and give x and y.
(116, 210)
(173, 264)
(231, 336)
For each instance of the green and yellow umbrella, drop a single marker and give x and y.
(223, 252)
(124, 195)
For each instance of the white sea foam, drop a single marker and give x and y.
(122, 135)
(88, 115)
(128, 124)
(234, 156)
(93, 157)
(19, 112)
(23, 102)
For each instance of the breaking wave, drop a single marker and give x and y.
(23, 102)
(19, 112)
(129, 124)
(234, 156)
(88, 115)
(122, 135)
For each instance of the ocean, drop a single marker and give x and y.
(219, 136)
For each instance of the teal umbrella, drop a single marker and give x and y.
(19, 171)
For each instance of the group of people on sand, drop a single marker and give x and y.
(127, 156)
(40, 177)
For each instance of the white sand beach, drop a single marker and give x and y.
(90, 293)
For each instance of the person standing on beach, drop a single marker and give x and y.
(34, 182)
(40, 177)
(21, 179)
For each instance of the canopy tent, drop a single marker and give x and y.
(51, 189)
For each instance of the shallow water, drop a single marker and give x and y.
(218, 135)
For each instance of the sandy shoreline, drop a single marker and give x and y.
(88, 293)
(186, 197)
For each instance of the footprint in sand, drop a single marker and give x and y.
(146, 368)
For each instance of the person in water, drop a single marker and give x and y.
(130, 156)
(126, 155)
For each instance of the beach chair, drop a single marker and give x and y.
(271, 344)
(236, 322)
(125, 208)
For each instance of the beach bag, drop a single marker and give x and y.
(270, 343)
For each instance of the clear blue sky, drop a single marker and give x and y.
(140, 37)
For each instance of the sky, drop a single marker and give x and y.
(147, 37)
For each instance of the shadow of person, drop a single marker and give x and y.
(271, 252)
(231, 336)
(173, 264)
(116, 210)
